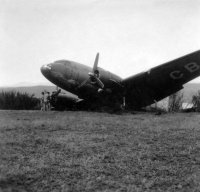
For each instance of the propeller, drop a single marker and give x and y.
(95, 67)
(94, 76)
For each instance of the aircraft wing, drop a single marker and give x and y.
(159, 82)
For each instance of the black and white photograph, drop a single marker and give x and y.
(99, 95)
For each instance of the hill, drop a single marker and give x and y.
(189, 90)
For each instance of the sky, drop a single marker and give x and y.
(130, 35)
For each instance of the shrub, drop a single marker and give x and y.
(18, 101)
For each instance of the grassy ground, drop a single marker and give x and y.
(85, 151)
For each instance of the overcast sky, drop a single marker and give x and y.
(131, 35)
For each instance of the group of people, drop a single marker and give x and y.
(45, 101)
(48, 101)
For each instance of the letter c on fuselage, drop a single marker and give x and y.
(176, 75)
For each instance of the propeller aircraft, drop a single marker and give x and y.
(96, 85)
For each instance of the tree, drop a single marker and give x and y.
(175, 102)
(196, 101)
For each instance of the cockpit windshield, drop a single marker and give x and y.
(48, 66)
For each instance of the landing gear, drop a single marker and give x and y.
(124, 103)
(117, 104)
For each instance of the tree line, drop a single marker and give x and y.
(18, 101)
(24, 101)
(176, 101)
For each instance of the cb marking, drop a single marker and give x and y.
(190, 67)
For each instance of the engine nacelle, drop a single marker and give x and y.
(69, 97)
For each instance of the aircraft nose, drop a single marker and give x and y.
(45, 69)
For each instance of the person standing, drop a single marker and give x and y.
(48, 102)
(42, 102)
(45, 101)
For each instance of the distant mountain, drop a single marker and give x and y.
(189, 90)
(28, 84)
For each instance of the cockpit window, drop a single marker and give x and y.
(49, 66)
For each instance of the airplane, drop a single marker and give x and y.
(96, 85)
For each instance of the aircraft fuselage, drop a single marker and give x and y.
(69, 76)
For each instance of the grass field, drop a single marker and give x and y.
(86, 151)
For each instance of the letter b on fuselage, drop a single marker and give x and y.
(190, 67)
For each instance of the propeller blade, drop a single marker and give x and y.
(56, 93)
(83, 83)
(99, 82)
(95, 67)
